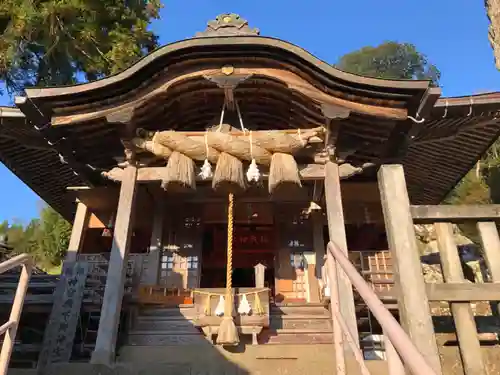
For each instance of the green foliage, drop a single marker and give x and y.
(47, 238)
(473, 189)
(390, 60)
(51, 42)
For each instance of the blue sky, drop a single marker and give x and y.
(452, 33)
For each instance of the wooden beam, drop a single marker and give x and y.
(415, 316)
(465, 324)
(431, 214)
(337, 234)
(104, 352)
(80, 225)
(307, 172)
(463, 292)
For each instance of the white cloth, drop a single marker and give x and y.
(244, 307)
(219, 310)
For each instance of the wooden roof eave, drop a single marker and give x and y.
(43, 99)
(237, 41)
(290, 79)
(482, 126)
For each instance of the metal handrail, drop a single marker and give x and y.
(10, 327)
(403, 345)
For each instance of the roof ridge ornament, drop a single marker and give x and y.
(228, 24)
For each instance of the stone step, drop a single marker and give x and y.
(164, 325)
(183, 310)
(301, 316)
(162, 338)
(286, 337)
(301, 324)
(175, 331)
(167, 318)
(299, 310)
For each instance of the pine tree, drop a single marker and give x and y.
(54, 42)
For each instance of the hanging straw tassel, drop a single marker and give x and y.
(228, 176)
(228, 333)
(284, 178)
(179, 173)
(244, 307)
(284, 175)
(257, 308)
(207, 309)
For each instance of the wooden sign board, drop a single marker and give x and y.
(63, 320)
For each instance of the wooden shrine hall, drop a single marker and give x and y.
(205, 182)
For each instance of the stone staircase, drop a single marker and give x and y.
(164, 327)
(298, 323)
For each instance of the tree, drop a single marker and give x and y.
(493, 12)
(46, 239)
(390, 60)
(54, 42)
(53, 236)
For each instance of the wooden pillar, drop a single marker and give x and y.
(156, 245)
(336, 231)
(468, 342)
(104, 352)
(318, 242)
(80, 224)
(491, 247)
(413, 304)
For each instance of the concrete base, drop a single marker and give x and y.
(200, 360)
(102, 357)
(247, 360)
(254, 360)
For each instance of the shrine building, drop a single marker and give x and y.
(204, 183)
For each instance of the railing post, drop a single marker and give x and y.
(394, 363)
(331, 268)
(400, 339)
(468, 342)
(413, 304)
(15, 316)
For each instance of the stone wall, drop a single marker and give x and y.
(473, 266)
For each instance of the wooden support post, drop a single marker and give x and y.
(415, 315)
(336, 231)
(468, 340)
(80, 224)
(491, 246)
(156, 245)
(104, 352)
(318, 242)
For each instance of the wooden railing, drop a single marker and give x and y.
(398, 342)
(455, 289)
(9, 329)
